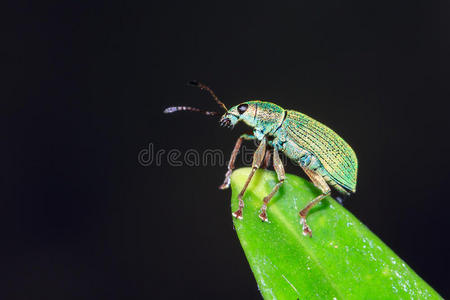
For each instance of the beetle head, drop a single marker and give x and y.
(245, 111)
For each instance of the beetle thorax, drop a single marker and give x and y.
(268, 118)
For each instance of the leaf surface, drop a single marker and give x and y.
(342, 260)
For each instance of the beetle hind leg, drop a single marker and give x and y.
(320, 183)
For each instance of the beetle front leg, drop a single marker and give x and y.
(258, 157)
(278, 166)
(320, 183)
(237, 146)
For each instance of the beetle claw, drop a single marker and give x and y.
(225, 184)
(306, 230)
(263, 217)
(238, 214)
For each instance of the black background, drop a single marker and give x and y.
(85, 86)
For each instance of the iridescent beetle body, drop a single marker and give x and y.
(306, 141)
(324, 156)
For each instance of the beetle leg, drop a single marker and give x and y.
(268, 156)
(320, 183)
(258, 157)
(237, 146)
(278, 166)
(266, 161)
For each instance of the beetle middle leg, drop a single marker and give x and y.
(278, 166)
(266, 161)
(320, 183)
(258, 157)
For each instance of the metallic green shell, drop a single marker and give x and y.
(336, 156)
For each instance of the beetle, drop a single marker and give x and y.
(322, 154)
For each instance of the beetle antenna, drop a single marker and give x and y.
(209, 90)
(173, 109)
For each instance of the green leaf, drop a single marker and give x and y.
(342, 260)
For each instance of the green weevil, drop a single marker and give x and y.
(322, 154)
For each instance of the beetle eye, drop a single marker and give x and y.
(242, 108)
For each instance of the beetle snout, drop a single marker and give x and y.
(228, 120)
(225, 122)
